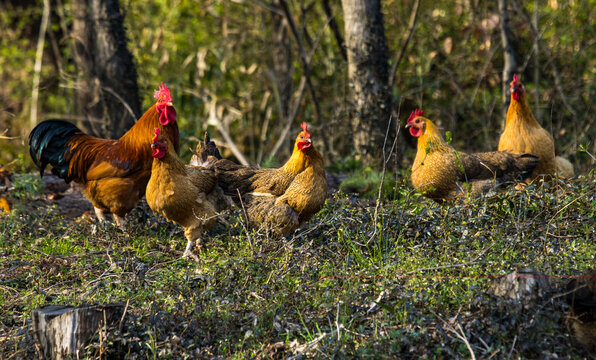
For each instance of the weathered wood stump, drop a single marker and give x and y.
(523, 285)
(62, 331)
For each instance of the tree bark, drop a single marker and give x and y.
(509, 63)
(62, 331)
(368, 73)
(107, 90)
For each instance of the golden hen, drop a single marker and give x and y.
(185, 194)
(523, 134)
(278, 200)
(439, 170)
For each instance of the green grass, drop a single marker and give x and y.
(342, 286)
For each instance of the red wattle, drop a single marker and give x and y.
(303, 146)
(158, 153)
(415, 132)
(167, 114)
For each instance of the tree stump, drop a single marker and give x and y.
(523, 285)
(62, 331)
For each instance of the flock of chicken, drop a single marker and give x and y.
(526, 152)
(115, 174)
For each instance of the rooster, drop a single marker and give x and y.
(438, 168)
(187, 195)
(112, 174)
(278, 200)
(523, 134)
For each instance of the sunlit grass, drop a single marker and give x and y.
(342, 285)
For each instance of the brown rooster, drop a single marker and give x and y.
(113, 174)
(278, 200)
(187, 195)
(438, 169)
(523, 134)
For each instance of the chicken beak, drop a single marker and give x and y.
(153, 145)
(170, 103)
(409, 125)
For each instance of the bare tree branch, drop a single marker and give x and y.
(290, 119)
(402, 51)
(510, 64)
(38, 58)
(335, 29)
(547, 52)
(115, 94)
(305, 68)
(215, 119)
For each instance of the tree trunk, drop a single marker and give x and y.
(509, 63)
(62, 331)
(368, 72)
(107, 90)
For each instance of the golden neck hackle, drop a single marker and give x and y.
(431, 138)
(300, 160)
(519, 111)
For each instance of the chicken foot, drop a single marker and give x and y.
(193, 235)
(99, 213)
(120, 221)
(188, 251)
(101, 216)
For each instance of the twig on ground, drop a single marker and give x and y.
(121, 325)
(512, 347)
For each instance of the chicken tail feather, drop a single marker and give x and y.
(526, 163)
(49, 144)
(206, 153)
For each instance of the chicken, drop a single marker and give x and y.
(187, 195)
(523, 134)
(563, 167)
(278, 200)
(438, 168)
(112, 174)
(5, 206)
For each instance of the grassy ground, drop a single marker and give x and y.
(407, 279)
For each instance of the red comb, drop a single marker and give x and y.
(515, 79)
(163, 94)
(415, 114)
(156, 135)
(304, 128)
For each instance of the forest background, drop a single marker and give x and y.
(396, 277)
(244, 72)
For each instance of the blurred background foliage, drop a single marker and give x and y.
(217, 58)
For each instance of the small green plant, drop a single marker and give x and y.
(366, 182)
(27, 186)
